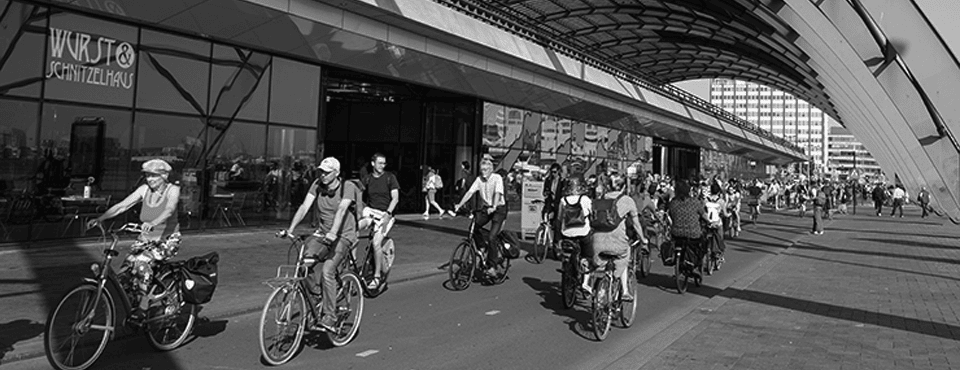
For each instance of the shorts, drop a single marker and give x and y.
(375, 217)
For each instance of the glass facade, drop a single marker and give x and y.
(239, 126)
(525, 143)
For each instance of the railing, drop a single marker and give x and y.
(512, 22)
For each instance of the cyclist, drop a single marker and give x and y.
(552, 189)
(160, 239)
(715, 204)
(686, 213)
(382, 192)
(616, 241)
(574, 214)
(490, 187)
(733, 207)
(754, 192)
(337, 230)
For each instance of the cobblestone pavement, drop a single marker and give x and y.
(871, 293)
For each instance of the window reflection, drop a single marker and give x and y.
(22, 29)
(240, 78)
(18, 135)
(174, 73)
(294, 151)
(55, 131)
(295, 93)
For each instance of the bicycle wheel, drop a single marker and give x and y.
(349, 309)
(642, 263)
(72, 342)
(628, 309)
(282, 322)
(502, 269)
(568, 284)
(680, 273)
(601, 307)
(172, 321)
(542, 243)
(462, 265)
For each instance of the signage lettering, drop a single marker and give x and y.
(78, 57)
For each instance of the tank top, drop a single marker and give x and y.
(150, 210)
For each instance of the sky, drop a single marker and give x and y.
(700, 88)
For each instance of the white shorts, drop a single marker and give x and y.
(373, 216)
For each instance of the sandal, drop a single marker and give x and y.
(374, 283)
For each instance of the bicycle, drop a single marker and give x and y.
(754, 213)
(683, 268)
(89, 311)
(286, 306)
(544, 243)
(607, 298)
(713, 258)
(365, 270)
(464, 261)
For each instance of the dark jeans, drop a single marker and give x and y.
(878, 205)
(926, 210)
(897, 204)
(498, 216)
(817, 219)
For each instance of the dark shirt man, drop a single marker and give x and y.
(382, 191)
(923, 197)
(879, 196)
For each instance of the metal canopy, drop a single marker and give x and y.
(666, 41)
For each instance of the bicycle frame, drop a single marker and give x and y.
(106, 279)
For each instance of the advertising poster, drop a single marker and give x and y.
(530, 211)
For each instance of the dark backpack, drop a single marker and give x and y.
(198, 278)
(606, 218)
(571, 215)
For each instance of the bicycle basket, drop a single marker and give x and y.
(287, 275)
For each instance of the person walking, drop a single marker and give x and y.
(879, 196)
(898, 197)
(431, 184)
(819, 201)
(923, 198)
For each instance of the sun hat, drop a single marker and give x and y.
(157, 166)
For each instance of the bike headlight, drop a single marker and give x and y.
(95, 268)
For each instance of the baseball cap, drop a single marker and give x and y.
(157, 166)
(329, 164)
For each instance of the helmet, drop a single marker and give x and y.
(573, 186)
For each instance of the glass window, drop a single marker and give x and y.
(294, 93)
(22, 73)
(548, 134)
(90, 60)
(174, 73)
(290, 145)
(493, 125)
(18, 135)
(239, 77)
(175, 139)
(241, 140)
(55, 132)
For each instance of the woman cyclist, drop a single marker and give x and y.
(686, 213)
(575, 208)
(160, 239)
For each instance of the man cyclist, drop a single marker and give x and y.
(160, 239)
(754, 191)
(382, 193)
(616, 241)
(490, 187)
(336, 234)
(552, 191)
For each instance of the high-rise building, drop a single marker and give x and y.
(776, 111)
(845, 154)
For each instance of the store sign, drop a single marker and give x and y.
(93, 60)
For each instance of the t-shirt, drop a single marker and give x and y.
(379, 188)
(493, 185)
(618, 237)
(327, 205)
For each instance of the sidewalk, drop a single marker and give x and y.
(871, 293)
(34, 277)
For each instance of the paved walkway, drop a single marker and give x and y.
(871, 293)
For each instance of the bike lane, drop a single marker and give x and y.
(33, 277)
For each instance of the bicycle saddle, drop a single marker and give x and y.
(609, 256)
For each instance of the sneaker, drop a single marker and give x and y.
(491, 272)
(327, 323)
(426, 216)
(374, 283)
(626, 297)
(471, 216)
(452, 214)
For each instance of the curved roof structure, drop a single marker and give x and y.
(667, 41)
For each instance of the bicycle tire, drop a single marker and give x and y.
(349, 308)
(179, 320)
(503, 268)
(642, 263)
(462, 266)
(628, 310)
(541, 243)
(679, 273)
(57, 327)
(600, 313)
(291, 314)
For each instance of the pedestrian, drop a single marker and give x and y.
(460, 187)
(828, 190)
(844, 199)
(431, 184)
(879, 196)
(923, 198)
(819, 201)
(898, 198)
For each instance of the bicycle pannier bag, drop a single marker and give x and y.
(511, 245)
(606, 218)
(199, 278)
